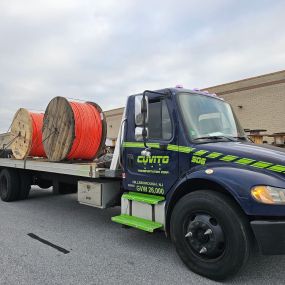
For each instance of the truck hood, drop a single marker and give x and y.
(260, 153)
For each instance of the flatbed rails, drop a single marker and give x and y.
(78, 169)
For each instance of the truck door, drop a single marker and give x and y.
(154, 174)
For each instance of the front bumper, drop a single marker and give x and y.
(270, 236)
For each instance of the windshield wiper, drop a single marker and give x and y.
(216, 138)
(241, 138)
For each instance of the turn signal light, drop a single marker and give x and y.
(268, 195)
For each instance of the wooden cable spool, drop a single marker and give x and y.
(66, 126)
(26, 134)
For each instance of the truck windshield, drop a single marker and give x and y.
(206, 117)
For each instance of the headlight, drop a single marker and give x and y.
(268, 195)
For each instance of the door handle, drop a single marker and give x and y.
(130, 160)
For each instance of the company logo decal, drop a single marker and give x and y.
(159, 159)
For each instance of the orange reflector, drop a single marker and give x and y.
(261, 194)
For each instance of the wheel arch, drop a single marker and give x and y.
(196, 184)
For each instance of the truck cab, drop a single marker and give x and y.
(219, 192)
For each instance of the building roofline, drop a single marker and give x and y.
(232, 87)
(246, 79)
(111, 110)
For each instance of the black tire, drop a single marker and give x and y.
(9, 185)
(44, 184)
(25, 186)
(213, 221)
(66, 189)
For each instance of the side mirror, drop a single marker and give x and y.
(140, 135)
(141, 110)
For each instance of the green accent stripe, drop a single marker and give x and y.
(200, 152)
(277, 168)
(245, 161)
(229, 158)
(173, 147)
(135, 222)
(153, 145)
(214, 155)
(133, 144)
(144, 198)
(140, 145)
(185, 149)
(261, 164)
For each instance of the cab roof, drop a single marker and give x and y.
(175, 90)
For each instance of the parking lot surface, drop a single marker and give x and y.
(85, 247)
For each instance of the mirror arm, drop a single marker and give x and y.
(144, 120)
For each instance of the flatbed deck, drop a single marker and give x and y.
(80, 169)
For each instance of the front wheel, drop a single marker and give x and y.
(211, 234)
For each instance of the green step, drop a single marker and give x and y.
(144, 198)
(135, 222)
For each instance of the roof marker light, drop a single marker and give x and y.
(179, 86)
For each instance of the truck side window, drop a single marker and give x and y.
(159, 124)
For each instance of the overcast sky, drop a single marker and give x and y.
(105, 50)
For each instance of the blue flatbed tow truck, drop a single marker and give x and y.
(182, 164)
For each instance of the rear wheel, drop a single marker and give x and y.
(9, 185)
(67, 188)
(25, 186)
(44, 184)
(211, 234)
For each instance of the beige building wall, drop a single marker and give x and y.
(114, 118)
(259, 103)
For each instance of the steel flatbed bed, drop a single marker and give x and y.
(78, 169)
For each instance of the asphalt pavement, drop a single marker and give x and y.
(51, 239)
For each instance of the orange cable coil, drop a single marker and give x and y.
(37, 149)
(88, 131)
(73, 130)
